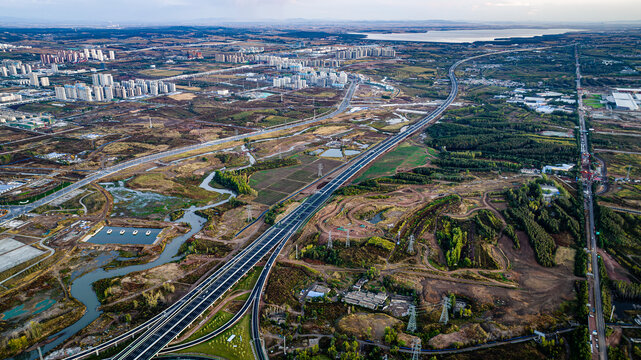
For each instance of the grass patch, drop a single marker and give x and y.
(238, 348)
(405, 155)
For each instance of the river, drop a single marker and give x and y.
(82, 290)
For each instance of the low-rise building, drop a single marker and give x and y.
(366, 299)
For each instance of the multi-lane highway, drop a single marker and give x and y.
(595, 319)
(15, 211)
(165, 327)
(367, 158)
(173, 323)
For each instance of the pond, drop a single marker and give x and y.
(377, 218)
(332, 153)
(351, 152)
(20, 310)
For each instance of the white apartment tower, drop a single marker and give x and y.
(33, 80)
(60, 93)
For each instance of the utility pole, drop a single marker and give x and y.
(347, 242)
(612, 312)
(628, 177)
(416, 349)
(410, 247)
(296, 251)
(445, 316)
(411, 324)
(329, 241)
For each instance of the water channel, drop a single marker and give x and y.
(82, 290)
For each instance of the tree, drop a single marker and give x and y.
(373, 273)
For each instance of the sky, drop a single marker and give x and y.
(159, 11)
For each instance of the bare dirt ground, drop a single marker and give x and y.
(615, 270)
(540, 292)
(358, 324)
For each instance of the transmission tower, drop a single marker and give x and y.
(445, 314)
(296, 251)
(411, 324)
(320, 169)
(329, 241)
(416, 349)
(398, 237)
(249, 213)
(628, 177)
(410, 246)
(347, 241)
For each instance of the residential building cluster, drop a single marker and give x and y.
(72, 56)
(251, 50)
(15, 68)
(365, 51)
(235, 58)
(285, 62)
(10, 47)
(277, 61)
(310, 77)
(104, 88)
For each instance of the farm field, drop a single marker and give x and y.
(404, 156)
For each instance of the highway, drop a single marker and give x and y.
(352, 170)
(162, 329)
(16, 211)
(595, 323)
(173, 323)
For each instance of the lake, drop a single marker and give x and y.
(465, 36)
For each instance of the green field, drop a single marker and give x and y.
(405, 155)
(593, 101)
